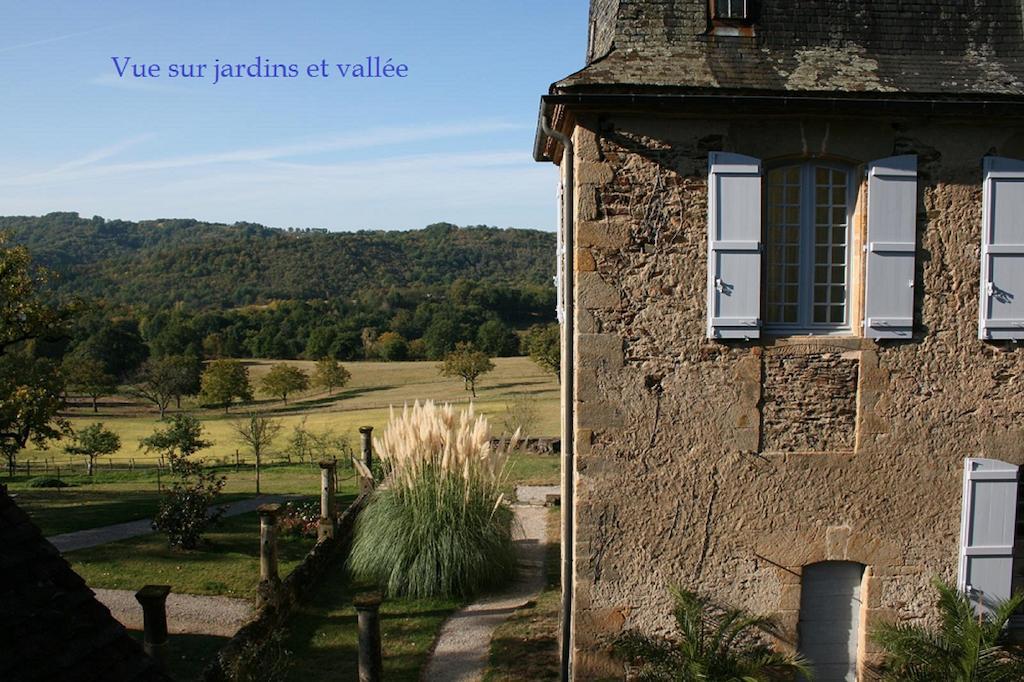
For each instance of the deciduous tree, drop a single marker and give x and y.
(467, 363)
(330, 374)
(223, 381)
(283, 379)
(182, 438)
(88, 375)
(31, 388)
(391, 346)
(161, 380)
(257, 432)
(497, 339)
(186, 510)
(93, 441)
(544, 346)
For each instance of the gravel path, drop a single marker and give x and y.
(186, 613)
(80, 539)
(464, 643)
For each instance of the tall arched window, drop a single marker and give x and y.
(806, 256)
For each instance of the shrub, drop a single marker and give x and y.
(183, 514)
(965, 647)
(299, 520)
(439, 526)
(185, 511)
(47, 482)
(711, 643)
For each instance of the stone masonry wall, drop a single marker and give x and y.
(809, 401)
(686, 474)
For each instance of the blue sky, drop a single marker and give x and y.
(451, 141)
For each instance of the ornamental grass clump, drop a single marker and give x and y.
(439, 524)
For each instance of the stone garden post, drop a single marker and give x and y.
(153, 599)
(269, 580)
(368, 619)
(366, 434)
(327, 517)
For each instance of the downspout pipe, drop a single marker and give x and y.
(567, 373)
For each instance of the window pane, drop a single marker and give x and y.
(830, 212)
(782, 248)
(796, 195)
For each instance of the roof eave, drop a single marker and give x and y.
(860, 104)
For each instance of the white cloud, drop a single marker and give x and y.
(400, 191)
(56, 39)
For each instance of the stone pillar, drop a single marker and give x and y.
(327, 517)
(268, 541)
(368, 617)
(269, 580)
(153, 599)
(366, 434)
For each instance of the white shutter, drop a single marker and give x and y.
(987, 524)
(734, 246)
(1002, 250)
(892, 229)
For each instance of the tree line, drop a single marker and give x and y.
(48, 349)
(163, 263)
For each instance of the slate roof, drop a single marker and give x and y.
(51, 625)
(940, 48)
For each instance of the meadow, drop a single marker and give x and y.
(374, 388)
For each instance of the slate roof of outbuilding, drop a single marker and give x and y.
(946, 48)
(51, 625)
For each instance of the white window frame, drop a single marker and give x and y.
(718, 15)
(805, 324)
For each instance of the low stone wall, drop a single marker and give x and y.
(248, 643)
(539, 445)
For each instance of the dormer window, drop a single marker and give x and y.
(732, 12)
(731, 9)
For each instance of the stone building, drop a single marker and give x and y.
(792, 289)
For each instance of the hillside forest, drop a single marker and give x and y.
(211, 291)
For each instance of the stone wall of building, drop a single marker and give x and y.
(882, 26)
(686, 472)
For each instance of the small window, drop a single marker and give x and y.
(806, 248)
(732, 10)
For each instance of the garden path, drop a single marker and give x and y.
(460, 654)
(190, 614)
(91, 537)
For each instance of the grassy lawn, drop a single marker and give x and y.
(116, 497)
(525, 647)
(187, 655)
(528, 469)
(226, 564)
(374, 388)
(323, 637)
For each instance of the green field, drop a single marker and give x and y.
(116, 497)
(374, 388)
(226, 563)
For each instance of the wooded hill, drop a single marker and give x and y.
(156, 264)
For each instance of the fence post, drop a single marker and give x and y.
(236, 459)
(366, 434)
(153, 599)
(326, 528)
(269, 580)
(368, 617)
